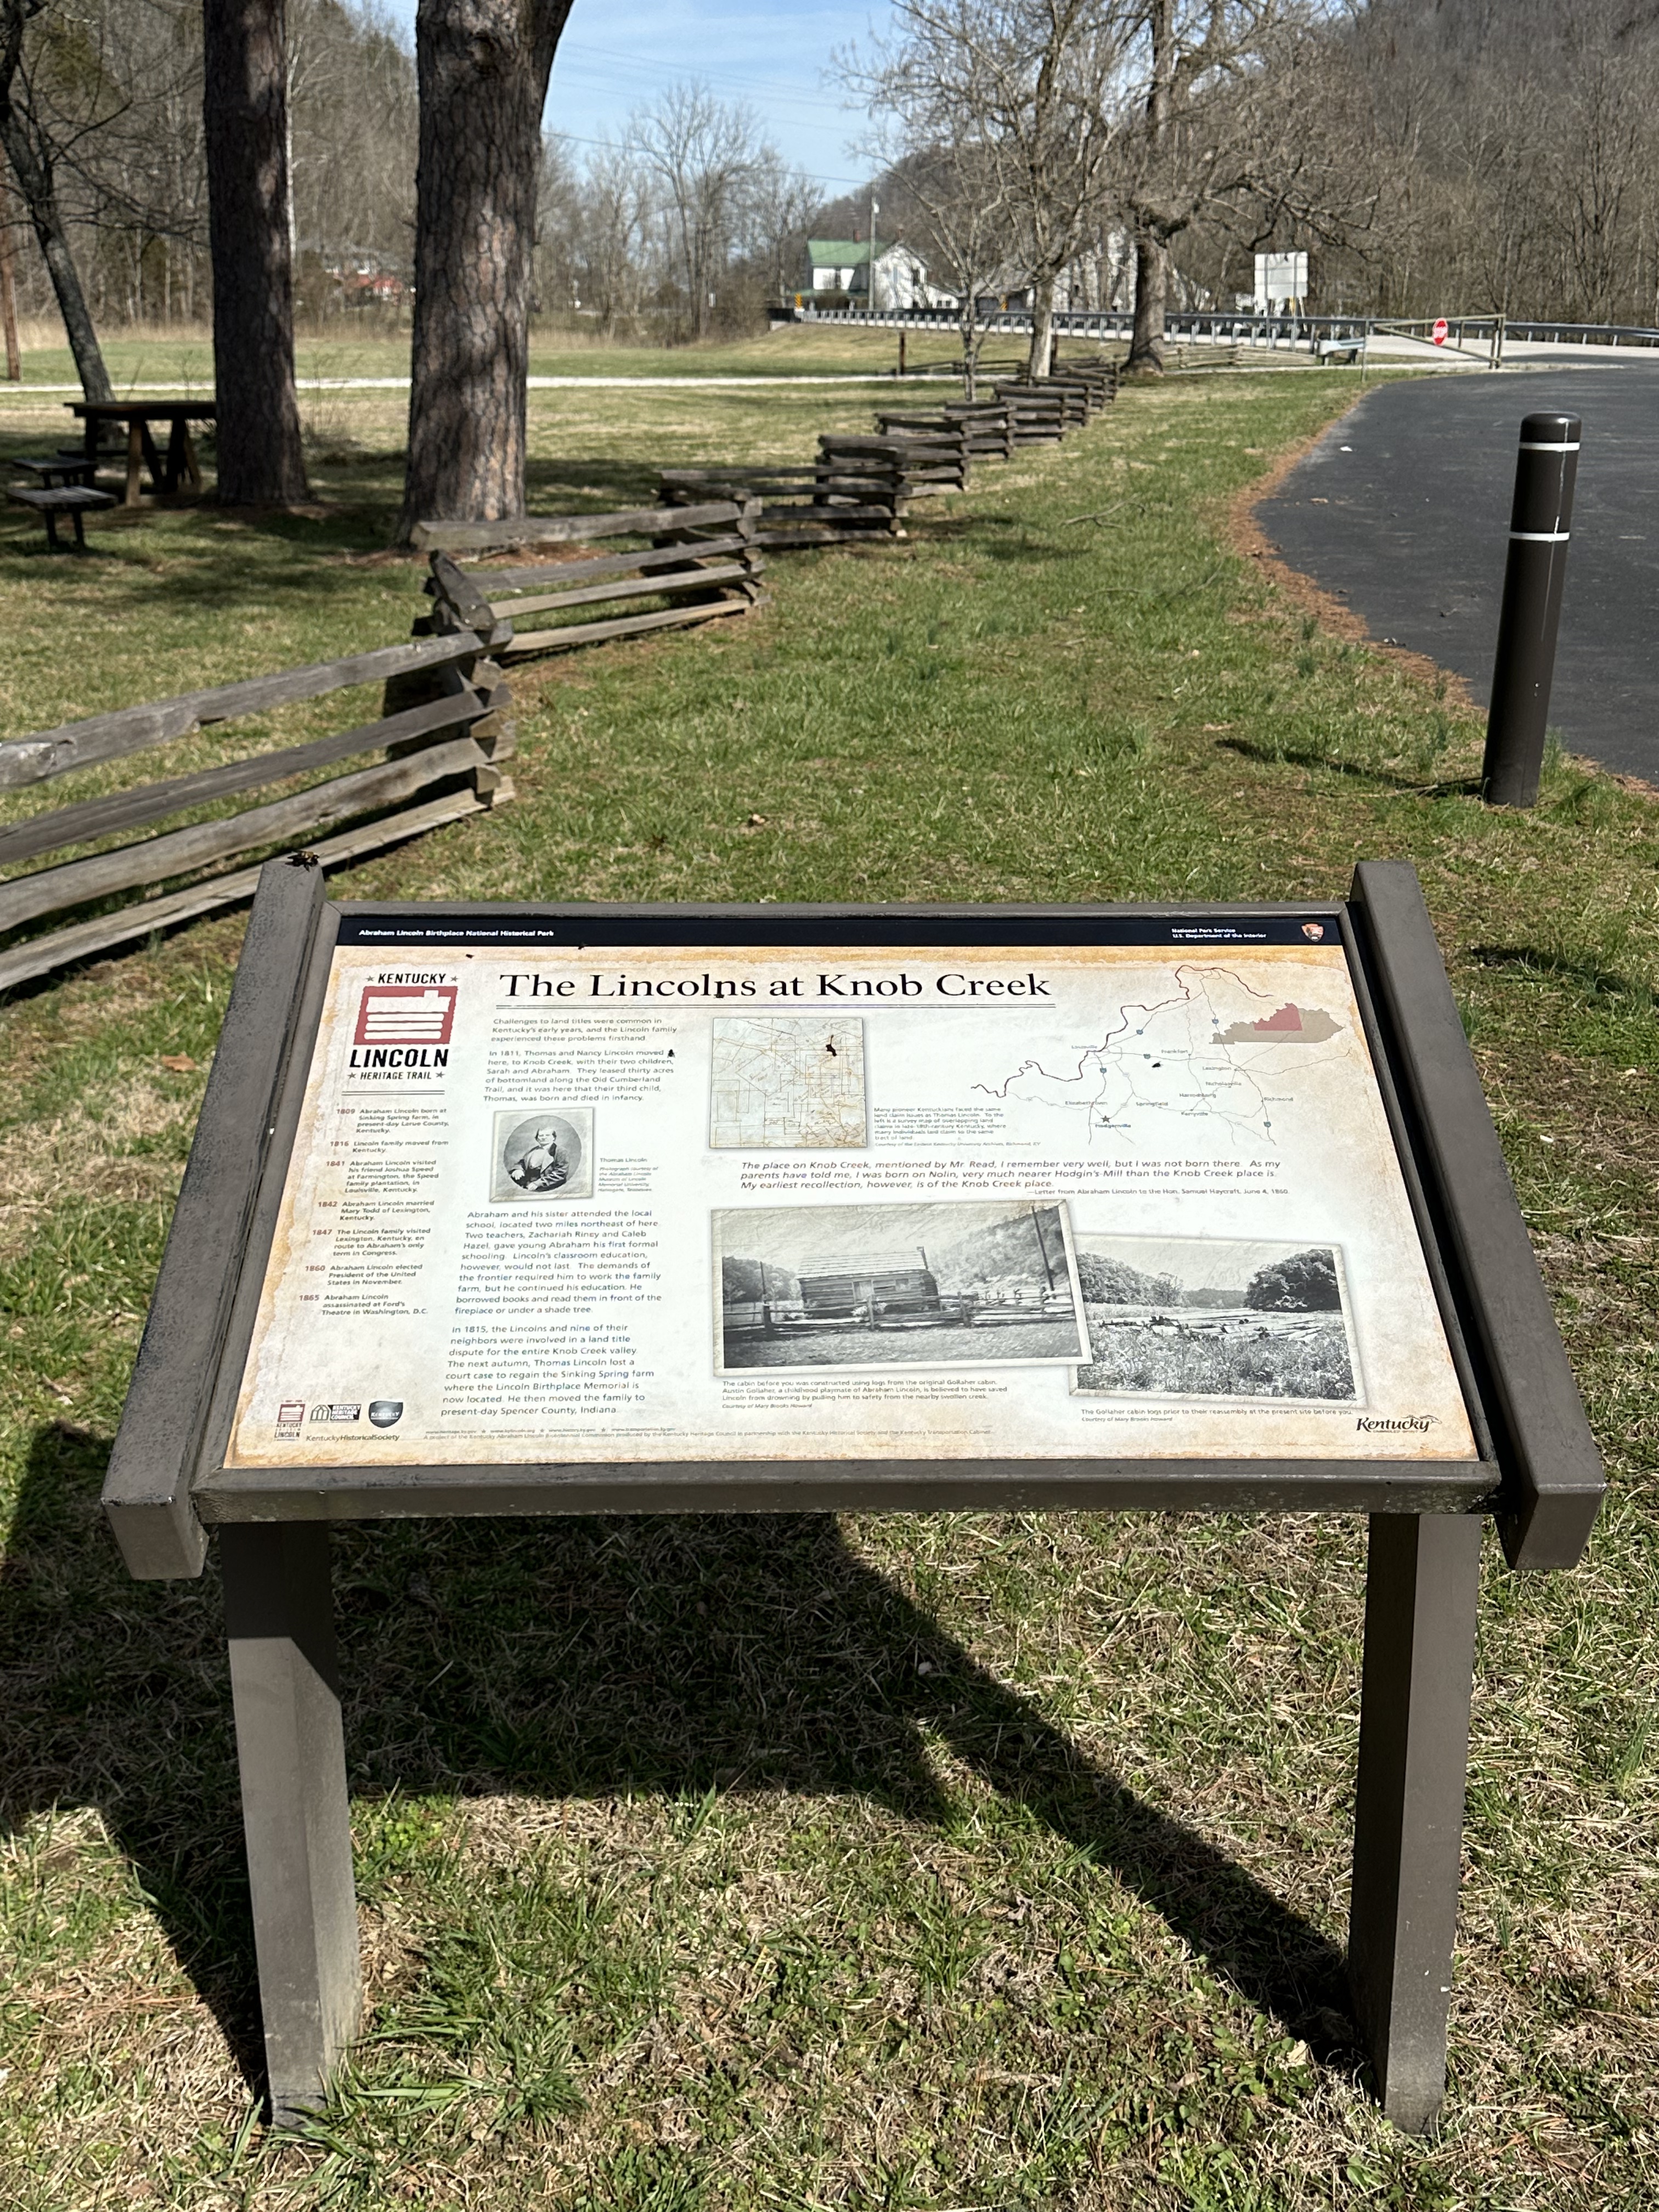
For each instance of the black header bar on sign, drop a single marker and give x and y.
(404, 929)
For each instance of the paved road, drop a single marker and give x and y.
(1403, 510)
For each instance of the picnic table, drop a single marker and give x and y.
(165, 469)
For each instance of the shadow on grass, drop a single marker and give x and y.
(581, 1657)
(210, 558)
(1584, 975)
(1467, 787)
(117, 1696)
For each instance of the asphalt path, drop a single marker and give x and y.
(1402, 509)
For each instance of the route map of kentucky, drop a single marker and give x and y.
(1217, 1050)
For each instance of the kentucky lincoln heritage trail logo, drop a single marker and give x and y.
(403, 1025)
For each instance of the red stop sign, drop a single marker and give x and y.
(1440, 332)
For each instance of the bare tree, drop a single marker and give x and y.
(1030, 85)
(33, 162)
(702, 154)
(245, 109)
(782, 205)
(952, 202)
(483, 67)
(9, 282)
(612, 219)
(1250, 120)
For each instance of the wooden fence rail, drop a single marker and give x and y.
(443, 730)
(703, 560)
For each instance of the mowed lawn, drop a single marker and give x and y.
(968, 1862)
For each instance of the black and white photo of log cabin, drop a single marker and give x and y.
(1215, 1317)
(952, 1284)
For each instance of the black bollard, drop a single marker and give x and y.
(1540, 523)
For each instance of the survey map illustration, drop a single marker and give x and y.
(1216, 1051)
(787, 1081)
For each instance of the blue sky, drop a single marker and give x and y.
(773, 54)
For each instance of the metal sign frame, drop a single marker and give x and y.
(1538, 1474)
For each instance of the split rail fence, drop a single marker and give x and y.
(442, 734)
(444, 727)
(704, 560)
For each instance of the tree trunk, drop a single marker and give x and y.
(31, 164)
(9, 286)
(972, 339)
(483, 67)
(1152, 298)
(1043, 327)
(1152, 246)
(245, 113)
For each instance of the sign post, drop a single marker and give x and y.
(549, 1210)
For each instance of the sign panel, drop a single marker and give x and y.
(552, 1203)
(1280, 280)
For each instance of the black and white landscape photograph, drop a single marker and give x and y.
(945, 1284)
(1215, 1317)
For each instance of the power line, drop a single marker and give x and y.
(738, 81)
(769, 87)
(575, 138)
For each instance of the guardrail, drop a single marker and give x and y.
(1226, 327)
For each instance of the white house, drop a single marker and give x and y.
(842, 265)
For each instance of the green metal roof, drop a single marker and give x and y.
(840, 252)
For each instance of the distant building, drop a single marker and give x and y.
(838, 269)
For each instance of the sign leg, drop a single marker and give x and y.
(1408, 1817)
(279, 1620)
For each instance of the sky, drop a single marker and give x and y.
(823, 1238)
(772, 54)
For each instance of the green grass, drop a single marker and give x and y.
(1305, 1358)
(183, 355)
(989, 1861)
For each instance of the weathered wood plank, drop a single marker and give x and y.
(130, 729)
(691, 579)
(574, 634)
(605, 564)
(783, 539)
(49, 890)
(562, 529)
(817, 483)
(467, 604)
(150, 802)
(147, 1489)
(60, 499)
(63, 948)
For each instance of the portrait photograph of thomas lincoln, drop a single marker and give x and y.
(544, 1154)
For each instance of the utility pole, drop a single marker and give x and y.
(874, 211)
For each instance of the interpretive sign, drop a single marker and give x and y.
(537, 1210)
(604, 1203)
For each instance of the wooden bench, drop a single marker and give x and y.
(50, 501)
(442, 730)
(702, 560)
(57, 468)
